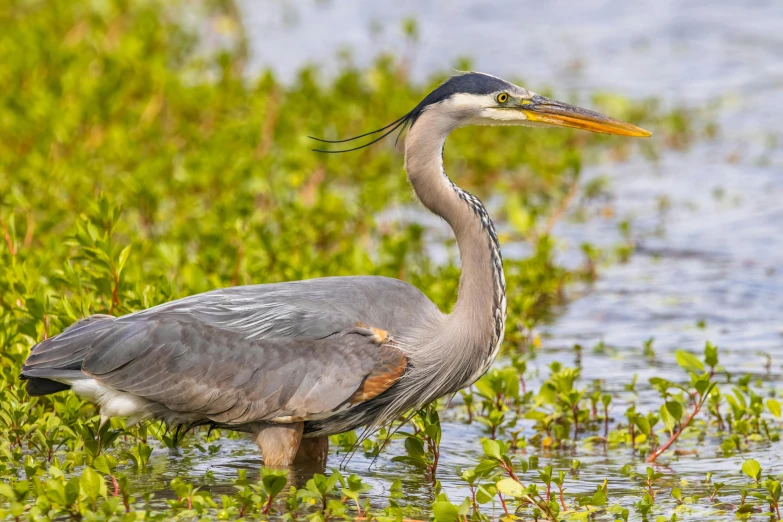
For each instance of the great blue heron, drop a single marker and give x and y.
(294, 362)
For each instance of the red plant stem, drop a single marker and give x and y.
(510, 472)
(8, 238)
(503, 503)
(435, 450)
(115, 298)
(28, 237)
(562, 502)
(116, 485)
(575, 411)
(657, 453)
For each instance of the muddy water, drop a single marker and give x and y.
(708, 223)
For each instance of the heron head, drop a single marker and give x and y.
(480, 99)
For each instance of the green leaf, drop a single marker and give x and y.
(752, 468)
(55, 491)
(510, 487)
(414, 446)
(711, 354)
(675, 409)
(701, 383)
(492, 449)
(643, 424)
(180, 488)
(774, 407)
(444, 511)
(485, 466)
(668, 421)
(72, 488)
(105, 463)
(274, 484)
(774, 489)
(688, 361)
(92, 484)
(485, 494)
(599, 498)
(123, 259)
(7, 491)
(335, 507)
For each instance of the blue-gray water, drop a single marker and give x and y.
(719, 258)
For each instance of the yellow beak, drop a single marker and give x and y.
(551, 112)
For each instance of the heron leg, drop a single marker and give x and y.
(313, 450)
(278, 442)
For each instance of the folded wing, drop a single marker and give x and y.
(243, 355)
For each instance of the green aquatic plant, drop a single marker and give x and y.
(559, 406)
(422, 445)
(697, 393)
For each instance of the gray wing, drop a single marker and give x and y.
(309, 309)
(247, 353)
(196, 368)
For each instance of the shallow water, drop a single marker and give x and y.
(714, 255)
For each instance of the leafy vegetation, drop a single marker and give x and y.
(137, 167)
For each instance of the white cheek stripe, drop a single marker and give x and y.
(475, 109)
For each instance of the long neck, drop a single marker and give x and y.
(478, 318)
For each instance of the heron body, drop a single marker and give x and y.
(294, 362)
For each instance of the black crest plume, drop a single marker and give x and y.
(468, 83)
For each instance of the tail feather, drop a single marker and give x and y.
(61, 357)
(52, 373)
(37, 387)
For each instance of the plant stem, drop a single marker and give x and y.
(269, 505)
(503, 503)
(665, 446)
(575, 411)
(7, 236)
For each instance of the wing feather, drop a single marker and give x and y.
(192, 367)
(245, 354)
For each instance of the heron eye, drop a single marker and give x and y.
(502, 97)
